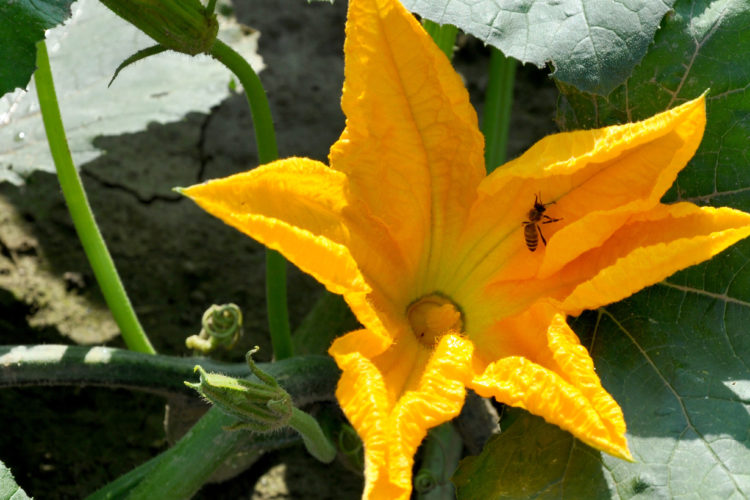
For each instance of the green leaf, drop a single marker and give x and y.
(593, 45)
(138, 56)
(84, 55)
(528, 454)
(675, 356)
(9, 490)
(22, 24)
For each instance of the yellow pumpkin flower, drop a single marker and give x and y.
(461, 279)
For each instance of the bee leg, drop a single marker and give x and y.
(549, 220)
(539, 228)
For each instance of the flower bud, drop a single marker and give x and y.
(180, 25)
(261, 406)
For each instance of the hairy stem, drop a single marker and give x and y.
(265, 137)
(80, 211)
(35, 365)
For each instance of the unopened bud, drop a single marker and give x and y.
(261, 406)
(180, 25)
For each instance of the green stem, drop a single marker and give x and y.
(265, 137)
(80, 211)
(278, 316)
(35, 365)
(444, 35)
(121, 486)
(315, 441)
(173, 477)
(497, 105)
(248, 447)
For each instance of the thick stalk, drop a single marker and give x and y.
(444, 35)
(497, 106)
(80, 211)
(308, 379)
(265, 137)
(27, 366)
(174, 477)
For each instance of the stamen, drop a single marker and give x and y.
(432, 316)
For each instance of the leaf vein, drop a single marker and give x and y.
(680, 401)
(713, 295)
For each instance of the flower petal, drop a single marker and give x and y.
(596, 179)
(392, 399)
(645, 250)
(649, 249)
(411, 149)
(438, 397)
(557, 382)
(363, 397)
(293, 206)
(301, 208)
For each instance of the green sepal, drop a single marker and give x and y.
(181, 25)
(140, 55)
(261, 407)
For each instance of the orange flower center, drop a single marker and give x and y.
(432, 316)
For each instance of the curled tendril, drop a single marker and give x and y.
(222, 321)
(352, 451)
(425, 481)
(221, 325)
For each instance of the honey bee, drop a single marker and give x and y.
(531, 228)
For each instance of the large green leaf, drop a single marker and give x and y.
(593, 44)
(9, 490)
(676, 356)
(22, 24)
(84, 54)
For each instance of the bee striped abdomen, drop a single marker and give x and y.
(531, 235)
(532, 230)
